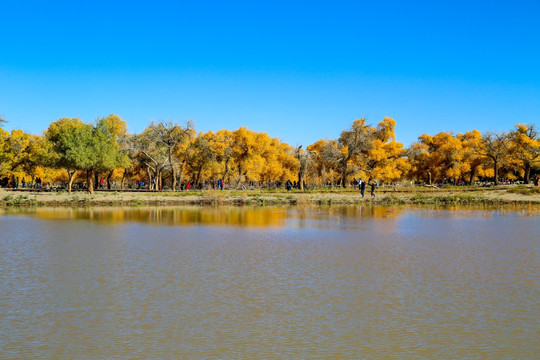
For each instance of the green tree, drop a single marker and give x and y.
(70, 143)
(108, 135)
(76, 145)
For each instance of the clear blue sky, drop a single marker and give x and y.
(300, 71)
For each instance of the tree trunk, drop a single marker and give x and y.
(240, 178)
(123, 179)
(226, 171)
(343, 179)
(96, 178)
(198, 177)
(173, 173)
(109, 176)
(323, 176)
(90, 181)
(496, 170)
(429, 177)
(473, 170)
(149, 177)
(343, 167)
(527, 174)
(301, 180)
(71, 177)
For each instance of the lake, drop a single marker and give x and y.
(343, 282)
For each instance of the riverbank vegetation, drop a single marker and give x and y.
(72, 154)
(501, 195)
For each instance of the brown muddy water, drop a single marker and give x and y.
(269, 283)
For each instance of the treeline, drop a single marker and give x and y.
(167, 155)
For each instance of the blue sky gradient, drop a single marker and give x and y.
(300, 71)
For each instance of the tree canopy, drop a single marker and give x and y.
(167, 154)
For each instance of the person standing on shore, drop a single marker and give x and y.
(373, 189)
(288, 185)
(362, 187)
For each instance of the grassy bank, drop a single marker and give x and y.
(411, 195)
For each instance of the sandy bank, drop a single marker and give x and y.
(262, 197)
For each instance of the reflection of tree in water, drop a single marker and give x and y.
(223, 216)
(220, 216)
(365, 211)
(302, 217)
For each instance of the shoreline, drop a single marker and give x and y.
(112, 198)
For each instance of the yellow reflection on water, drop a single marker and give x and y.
(234, 216)
(251, 216)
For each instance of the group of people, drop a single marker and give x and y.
(152, 185)
(361, 184)
(293, 184)
(14, 183)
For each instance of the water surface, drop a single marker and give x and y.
(265, 283)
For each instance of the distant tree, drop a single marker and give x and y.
(524, 148)
(248, 148)
(199, 157)
(87, 147)
(114, 129)
(107, 154)
(494, 146)
(473, 164)
(419, 158)
(221, 144)
(70, 142)
(305, 161)
(386, 158)
(444, 155)
(35, 156)
(353, 142)
(6, 157)
(325, 155)
(371, 150)
(159, 144)
(128, 148)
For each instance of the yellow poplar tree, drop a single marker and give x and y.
(385, 158)
(474, 164)
(524, 148)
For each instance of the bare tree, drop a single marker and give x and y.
(494, 146)
(171, 135)
(305, 159)
(158, 144)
